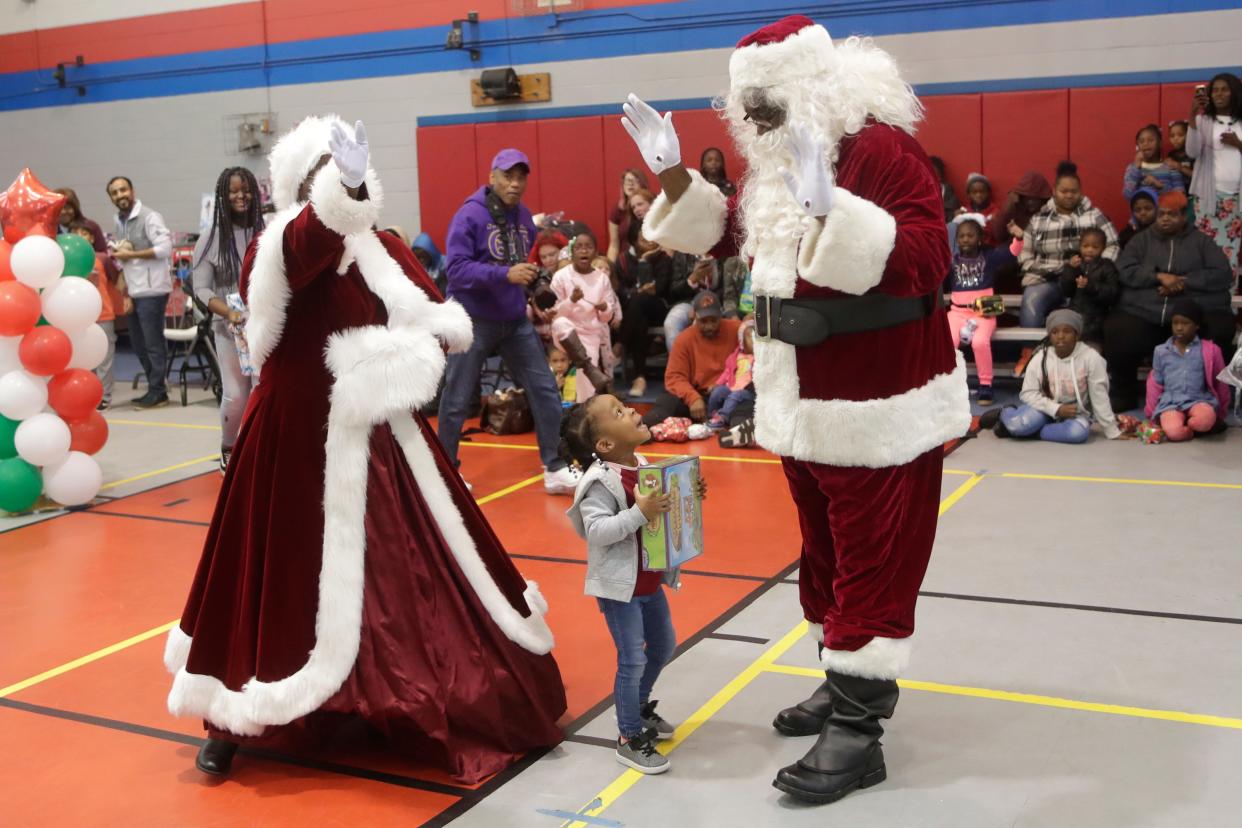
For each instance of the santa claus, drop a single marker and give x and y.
(858, 384)
(347, 573)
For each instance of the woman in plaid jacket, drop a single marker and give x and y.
(1052, 238)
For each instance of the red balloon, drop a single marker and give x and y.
(88, 434)
(45, 351)
(29, 207)
(19, 308)
(74, 394)
(6, 272)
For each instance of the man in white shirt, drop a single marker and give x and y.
(144, 250)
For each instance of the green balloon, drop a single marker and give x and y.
(8, 428)
(20, 485)
(79, 255)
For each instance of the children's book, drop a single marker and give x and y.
(676, 536)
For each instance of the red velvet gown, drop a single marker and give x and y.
(433, 671)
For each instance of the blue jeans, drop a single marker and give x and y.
(1025, 421)
(1037, 302)
(524, 356)
(643, 620)
(722, 401)
(146, 334)
(679, 318)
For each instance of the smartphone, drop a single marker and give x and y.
(1201, 89)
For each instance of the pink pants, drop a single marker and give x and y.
(1182, 425)
(981, 342)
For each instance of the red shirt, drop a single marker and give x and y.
(648, 580)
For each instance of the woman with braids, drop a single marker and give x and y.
(238, 218)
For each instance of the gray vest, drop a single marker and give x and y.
(134, 228)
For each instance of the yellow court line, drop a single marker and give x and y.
(1132, 482)
(157, 472)
(87, 659)
(1042, 701)
(163, 425)
(960, 492)
(510, 489)
(710, 708)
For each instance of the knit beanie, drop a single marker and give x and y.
(1187, 307)
(1065, 316)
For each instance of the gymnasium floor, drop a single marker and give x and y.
(1077, 659)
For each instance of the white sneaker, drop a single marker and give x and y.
(562, 481)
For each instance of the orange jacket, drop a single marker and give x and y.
(99, 279)
(696, 362)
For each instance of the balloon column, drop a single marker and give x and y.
(49, 342)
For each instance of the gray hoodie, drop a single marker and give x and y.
(1080, 379)
(599, 516)
(1189, 253)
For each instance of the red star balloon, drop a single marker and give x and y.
(29, 207)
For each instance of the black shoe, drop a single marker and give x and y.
(847, 755)
(225, 455)
(216, 757)
(149, 400)
(654, 723)
(989, 419)
(806, 718)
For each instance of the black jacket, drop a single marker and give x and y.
(1190, 254)
(1094, 300)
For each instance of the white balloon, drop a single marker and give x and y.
(42, 440)
(89, 348)
(37, 261)
(74, 480)
(71, 304)
(22, 395)
(9, 360)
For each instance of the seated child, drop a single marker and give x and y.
(586, 306)
(1182, 388)
(1092, 284)
(1149, 168)
(1142, 215)
(107, 315)
(972, 276)
(1064, 387)
(979, 200)
(601, 436)
(736, 384)
(566, 376)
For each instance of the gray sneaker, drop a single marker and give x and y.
(652, 721)
(640, 754)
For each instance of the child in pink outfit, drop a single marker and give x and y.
(736, 383)
(972, 276)
(586, 306)
(1183, 389)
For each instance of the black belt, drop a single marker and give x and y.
(806, 322)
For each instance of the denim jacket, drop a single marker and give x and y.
(600, 516)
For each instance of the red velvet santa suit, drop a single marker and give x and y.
(860, 419)
(347, 570)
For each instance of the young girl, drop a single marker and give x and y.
(566, 376)
(1142, 215)
(1092, 284)
(1178, 159)
(587, 305)
(602, 437)
(736, 384)
(971, 277)
(107, 314)
(1065, 386)
(712, 166)
(1149, 168)
(1182, 388)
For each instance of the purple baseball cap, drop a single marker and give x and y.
(509, 158)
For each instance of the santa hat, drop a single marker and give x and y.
(297, 153)
(786, 51)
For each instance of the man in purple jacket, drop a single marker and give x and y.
(488, 242)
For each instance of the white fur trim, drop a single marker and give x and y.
(804, 54)
(694, 223)
(849, 250)
(296, 154)
(815, 631)
(268, 294)
(337, 209)
(176, 649)
(382, 372)
(879, 658)
(530, 633)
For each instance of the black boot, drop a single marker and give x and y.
(216, 757)
(577, 353)
(806, 718)
(848, 754)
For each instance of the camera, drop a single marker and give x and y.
(540, 290)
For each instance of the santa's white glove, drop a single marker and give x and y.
(350, 154)
(655, 136)
(813, 188)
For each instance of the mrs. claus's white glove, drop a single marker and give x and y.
(813, 188)
(350, 154)
(655, 136)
